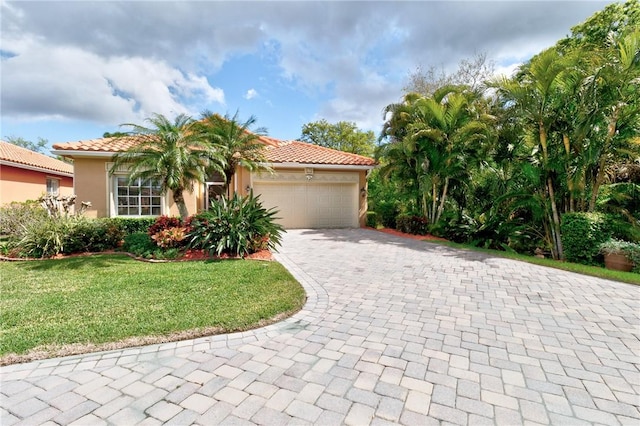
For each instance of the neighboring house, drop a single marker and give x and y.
(27, 175)
(311, 187)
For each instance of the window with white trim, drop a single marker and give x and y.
(53, 186)
(137, 198)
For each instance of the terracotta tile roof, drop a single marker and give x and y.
(277, 151)
(98, 145)
(10, 153)
(306, 153)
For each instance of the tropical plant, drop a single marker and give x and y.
(234, 142)
(432, 141)
(172, 153)
(236, 226)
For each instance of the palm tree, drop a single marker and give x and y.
(615, 87)
(447, 128)
(171, 153)
(234, 142)
(532, 94)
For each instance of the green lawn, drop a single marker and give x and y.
(594, 271)
(107, 298)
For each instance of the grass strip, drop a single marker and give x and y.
(108, 298)
(594, 271)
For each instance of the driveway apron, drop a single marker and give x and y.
(395, 331)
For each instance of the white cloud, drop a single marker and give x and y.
(251, 94)
(68, 82)
(123, 60)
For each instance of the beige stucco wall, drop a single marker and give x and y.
(93, 181)
(92, 184)
(18, 184)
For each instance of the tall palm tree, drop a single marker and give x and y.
(532, 95)
(171, 153)
(616, 87)
(234, 141)
(447, 128)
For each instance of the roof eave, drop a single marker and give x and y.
(293, 165)
(35, 168)
(81, 153)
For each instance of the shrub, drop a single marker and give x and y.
(163, 223)
(131, 225)
(92, 235)
(170, 238)
(388, 212)
(54, 235)
(582, 234)
(44, 238)
(413, 224)
(14, 216)
(373, 219)
(139, 244)
(238, 226)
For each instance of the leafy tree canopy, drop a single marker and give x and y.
(114, 134)
(343, 136)
(39, 146)
(614, 21)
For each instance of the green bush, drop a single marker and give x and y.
(131, 225)
(14, 216)
(582, 235)
(238, 226)
(412, 224)
(139, 244)
(50, 236)
(44, 238)
(388, 211)
(92, 235)
(373, 219)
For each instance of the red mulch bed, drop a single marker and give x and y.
(203, 255)
(410, 236)
(188, 255)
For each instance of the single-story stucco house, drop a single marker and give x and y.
(311, 186)
(28, 175)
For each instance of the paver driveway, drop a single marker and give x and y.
(395, 331)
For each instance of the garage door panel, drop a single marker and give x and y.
(310, 204)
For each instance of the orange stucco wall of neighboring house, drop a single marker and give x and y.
(18, 184)
(93, 183)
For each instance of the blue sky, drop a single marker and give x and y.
(73, 70)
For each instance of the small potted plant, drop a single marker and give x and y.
(620, 255)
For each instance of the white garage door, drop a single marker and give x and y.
(311, 204)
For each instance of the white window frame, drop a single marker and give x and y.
(54, 188)
(112, 194)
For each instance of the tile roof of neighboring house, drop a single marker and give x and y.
(11, 154)
(277, 151)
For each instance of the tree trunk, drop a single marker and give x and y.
(434, 202)
(570, 183)
(178, 198)
(602, 164)
(444, 196)
(556, 221)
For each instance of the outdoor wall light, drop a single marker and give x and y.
(308, 171)
(247, 188)
(363, 192)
